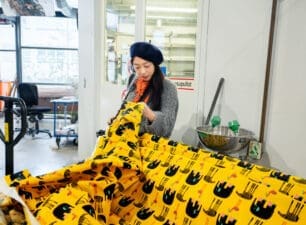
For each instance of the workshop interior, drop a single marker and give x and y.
(72, 150)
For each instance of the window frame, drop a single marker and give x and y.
(20, 48)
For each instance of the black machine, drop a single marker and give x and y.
(8, 137)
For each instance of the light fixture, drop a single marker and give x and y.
(170, 17)
(167, 17)
(164, 9)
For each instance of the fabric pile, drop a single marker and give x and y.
(139, 180)
(11, 211)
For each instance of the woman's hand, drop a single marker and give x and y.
(148, 113)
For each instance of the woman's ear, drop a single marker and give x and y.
(131, 67)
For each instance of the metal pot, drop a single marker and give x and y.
(222, 139)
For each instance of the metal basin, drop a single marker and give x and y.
(223, 139)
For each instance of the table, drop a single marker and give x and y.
(65, 131)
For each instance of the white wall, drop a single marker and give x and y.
(237, 48)
(90, 58)
(286, 142)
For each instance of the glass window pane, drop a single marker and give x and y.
(7, 34)
(51, 32)
(72, 3)
(50, 66)
(120, 32)
(7, 66)
(171, 25)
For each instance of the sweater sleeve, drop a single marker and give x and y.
(166, 117)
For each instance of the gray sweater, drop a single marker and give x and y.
(166, 117)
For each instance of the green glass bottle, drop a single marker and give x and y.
(234, 126)
(215, 121)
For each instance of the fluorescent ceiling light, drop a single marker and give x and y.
(168, 17)
(171, 17)
(164, 9)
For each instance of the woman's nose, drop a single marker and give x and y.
(142, 70)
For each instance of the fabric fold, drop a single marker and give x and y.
(131, 179)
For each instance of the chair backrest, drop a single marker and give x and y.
(28, 92)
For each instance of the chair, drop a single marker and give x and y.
(29, 93)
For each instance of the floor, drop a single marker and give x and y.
(40, 154)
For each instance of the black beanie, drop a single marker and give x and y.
(146, 51)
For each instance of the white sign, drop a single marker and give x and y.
(183, 83)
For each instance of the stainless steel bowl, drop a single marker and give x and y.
(223, 139)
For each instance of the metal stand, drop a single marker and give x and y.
(8, 136)
(68, 133)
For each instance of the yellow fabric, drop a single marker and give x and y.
(153, 180)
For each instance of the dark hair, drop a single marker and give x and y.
(155, 89)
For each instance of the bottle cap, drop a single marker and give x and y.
(215, 121)
(234, 126)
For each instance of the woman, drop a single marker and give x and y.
(151, 87)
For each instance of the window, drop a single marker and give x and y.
(50, 66)
(171, 25)
(49, 50)
(49, 32)
(120, 32)
(7, 52)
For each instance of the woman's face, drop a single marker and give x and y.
(143, 68)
